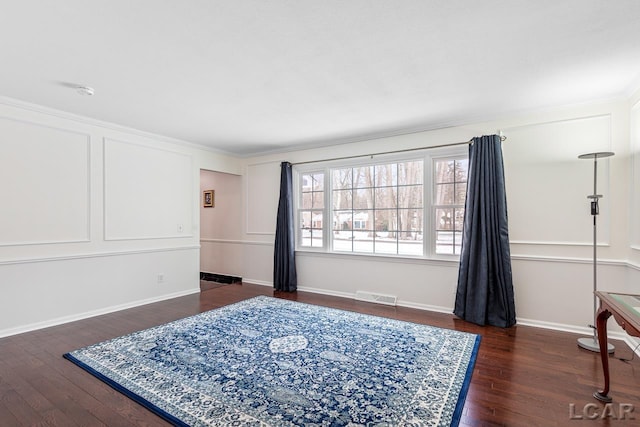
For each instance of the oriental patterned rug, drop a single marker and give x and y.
(272, 362)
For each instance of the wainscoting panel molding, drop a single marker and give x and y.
(147, 192)
(96, 255)
(262, 190)
(52, 166)
(547, 185)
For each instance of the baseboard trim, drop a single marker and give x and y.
(580, 330)
(327, 292)
(426, 307)
(257, 282)
(93, 313)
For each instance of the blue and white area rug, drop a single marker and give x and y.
(273, 362)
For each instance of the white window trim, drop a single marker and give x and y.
(428, 156)
(297, 190)
(449, 155)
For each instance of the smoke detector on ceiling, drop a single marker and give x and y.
(85, 90)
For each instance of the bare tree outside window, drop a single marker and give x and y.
(379, 209)
(450, 180)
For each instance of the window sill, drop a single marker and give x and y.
(442, 260)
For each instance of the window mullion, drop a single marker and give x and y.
(398, 226)
(327, 226)
(428, 234)
(372, 226)
(351, 208)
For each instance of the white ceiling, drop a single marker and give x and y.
(257, 76)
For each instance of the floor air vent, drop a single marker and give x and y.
(377, 298)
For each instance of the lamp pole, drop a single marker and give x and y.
(592, 344)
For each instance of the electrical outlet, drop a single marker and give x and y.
(180, 228)
(160, 277)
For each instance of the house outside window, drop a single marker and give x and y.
(311, 212)
(379, 208)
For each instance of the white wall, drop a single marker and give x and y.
(634, 235)
(67, 249)
(550, 221)
(92, 214)
(633, 272)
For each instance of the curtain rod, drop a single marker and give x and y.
(452, 144)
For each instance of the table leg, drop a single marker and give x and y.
(601, 328)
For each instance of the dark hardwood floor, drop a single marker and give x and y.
(523, 376)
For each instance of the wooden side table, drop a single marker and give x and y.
(625, 308)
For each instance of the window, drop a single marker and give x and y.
(450, 180)
(380, 208)
(312, 210)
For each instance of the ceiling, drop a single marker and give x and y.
(252, 76)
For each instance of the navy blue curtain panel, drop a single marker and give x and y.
(485, 286)
(285, 277)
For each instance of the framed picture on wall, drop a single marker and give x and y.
(208, 198)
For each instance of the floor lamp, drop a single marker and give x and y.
(592, 343)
